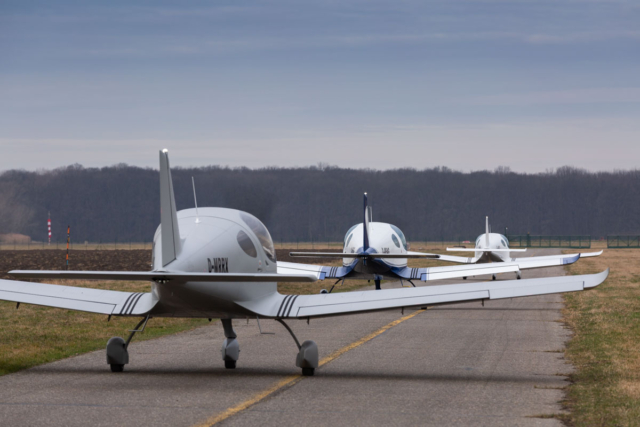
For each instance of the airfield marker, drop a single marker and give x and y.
(68, 238)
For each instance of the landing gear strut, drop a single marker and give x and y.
(377, 280)
(518, 275)
(307, 358)
(230, 347)
(493, 277)
(117, 354)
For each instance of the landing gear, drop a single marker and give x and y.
(307, 357)
(117, 354)
(230, 347)
(464, 278)
(518, 276)
(493, 277)
(377, 280)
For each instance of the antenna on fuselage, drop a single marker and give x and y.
(487, 230)
(195, 200)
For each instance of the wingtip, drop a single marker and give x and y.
(571, 260)
(596, 279)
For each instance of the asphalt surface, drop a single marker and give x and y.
(462, 364)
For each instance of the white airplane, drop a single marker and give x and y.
(494, 247)
(378, 251)
(220, 263)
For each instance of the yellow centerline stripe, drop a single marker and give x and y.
(292, 379)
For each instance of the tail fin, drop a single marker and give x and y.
(487, 230)
(365, 225)
(168, 215)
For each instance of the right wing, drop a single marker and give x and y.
(323, 305)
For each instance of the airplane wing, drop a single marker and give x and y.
(551, 258)
(516, 264)
(323, 305)
(455, 271)
(452, 258)
(164, 276)
(485, 250)
(74, 298)
(361, 255)
(320, 272)
(115, 302)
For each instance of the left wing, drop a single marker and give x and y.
(319, 272)
(323, 305)
(452, 258)
(75, 298)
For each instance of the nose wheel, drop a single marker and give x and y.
(230, 347)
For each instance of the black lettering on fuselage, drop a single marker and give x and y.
(218, 265)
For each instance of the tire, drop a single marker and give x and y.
(230, 364)
(115, 367)
(308, 372)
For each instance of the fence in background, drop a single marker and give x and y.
(74, 246)
(529, 241)
(623, 242)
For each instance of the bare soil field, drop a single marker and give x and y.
(121, 260)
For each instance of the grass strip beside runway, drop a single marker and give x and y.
(605, 349)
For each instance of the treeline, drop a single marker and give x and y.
(121, 203)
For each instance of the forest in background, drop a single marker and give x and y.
(121, 202)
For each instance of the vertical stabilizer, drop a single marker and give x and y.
(168, 215)
(365, 225)
(486, 233)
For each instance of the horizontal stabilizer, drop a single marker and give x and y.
(163, 276)
(360, 255)
(484, 250)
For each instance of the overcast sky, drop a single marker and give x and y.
(469, 85)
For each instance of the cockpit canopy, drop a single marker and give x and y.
(349, 235)
(261, 233)
(400, 235)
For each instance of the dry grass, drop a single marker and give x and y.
(605, 348)
(34, 335)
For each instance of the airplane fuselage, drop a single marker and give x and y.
(220, 241)
(383, 239)
(488, 242)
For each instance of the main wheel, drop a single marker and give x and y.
(115, 367)
(230, 364)
(308, 372)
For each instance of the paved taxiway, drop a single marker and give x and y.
(454, 365)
